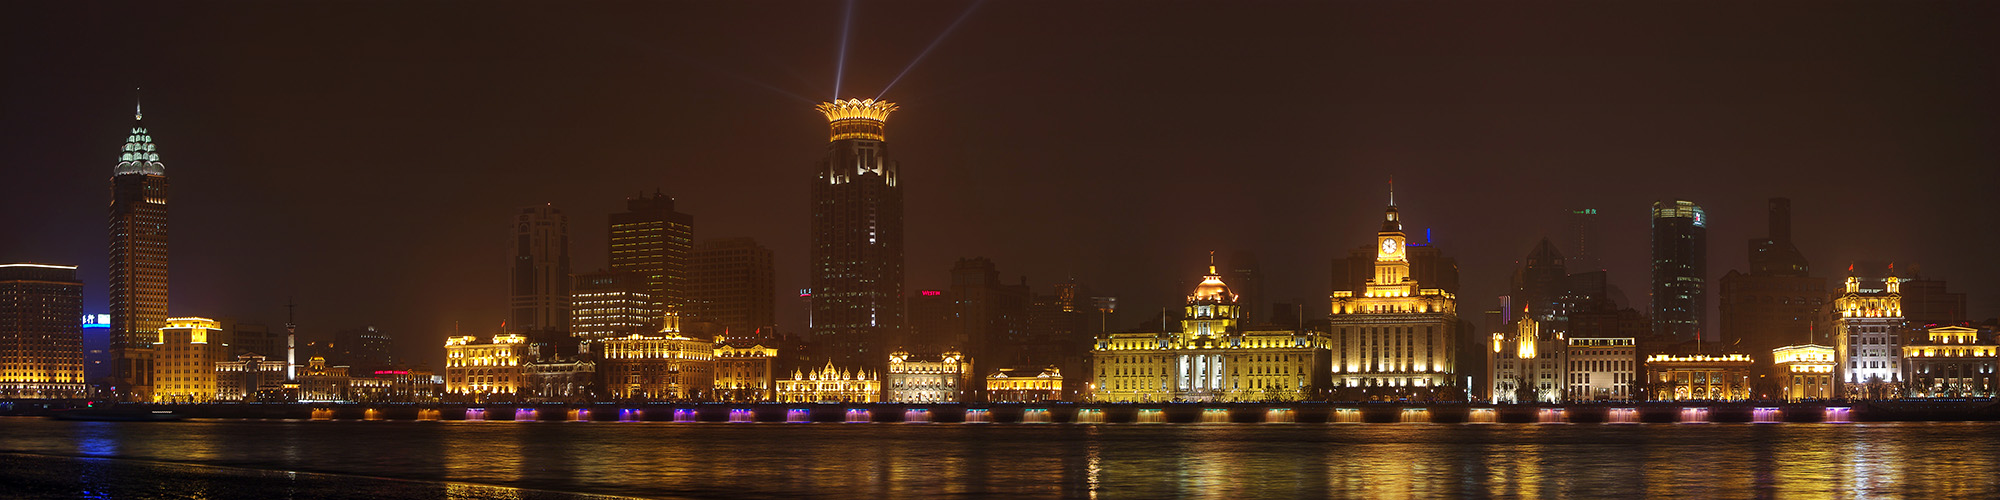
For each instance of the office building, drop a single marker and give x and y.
(477, 371)
(992, 316)
(941, 378)
(41, 339)
(185, 358)
(733, 286)
(250, 378)
(652, 239)
(139, 194)
(1020, 385)
(1804, 372)
(830, 384)
(746, 370)
(1602, 369)
(1952, 362)
(1698, 377)
(856, 262)
(540, 274)
(364, 349)
(1528, 364)
(1211, 356)
(664, 366)
(1868, 334)
(1778, 302)
(610, 304)
(1680, 269)
(1396, 336)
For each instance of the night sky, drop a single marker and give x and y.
(365, 158)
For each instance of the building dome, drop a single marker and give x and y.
(1212, 288)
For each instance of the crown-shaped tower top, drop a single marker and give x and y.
(857, 118)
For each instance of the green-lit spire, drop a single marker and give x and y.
(140, 155)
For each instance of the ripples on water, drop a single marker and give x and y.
(1113, 461)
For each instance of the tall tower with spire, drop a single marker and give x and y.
(138, 224)
(1397, 337)
(857, 238)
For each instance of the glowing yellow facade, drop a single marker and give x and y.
(184, 360)
(489, 368)
(1395, 333)
(830, 385)
(1024, 387)
(665, 366)
(1699, 377)
(938, 380)
(857, 118)
(1528, 365)
(1211, 358)
(746, 372)
(1952, 362)
(1804, 372)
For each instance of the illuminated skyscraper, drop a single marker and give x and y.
(1680, 269)
(138, 262)
(857, 238)
(540, 272)
(41, 341)
(1395, 337)
(653, 240)
(610, 304)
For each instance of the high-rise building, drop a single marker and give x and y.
(654, 240)
(362, 350)
(1583, 238)
(1868, 337)
(857, 238)
(1778, 303)
(609, 304)
(734, 286)
(1248, 275)
(1539, 283)
(993, 316)
(138, 262)
(1061, 327)
(1680, 269)
(1395, 337)
(540, 274)
(41, 340)
(933, 325)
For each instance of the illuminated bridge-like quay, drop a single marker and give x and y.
(1091, 413)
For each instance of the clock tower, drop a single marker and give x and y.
(1394, 338)
(1392, 265)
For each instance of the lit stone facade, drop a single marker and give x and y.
(830, 385)
(1528, 364)
(745, 371)
(1211, 358)
(942, 379)
(1394, 332)
(41, 339)
(1024, 386)
(184, 362)
(664, 366)
(1602, 369)
(1867, 329)
(1952, 362)
(492, 368)
(250, 377)
(1804, 372)
(1699, 377)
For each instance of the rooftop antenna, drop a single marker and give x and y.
(1392, 190)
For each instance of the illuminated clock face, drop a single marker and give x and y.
(1389, 247)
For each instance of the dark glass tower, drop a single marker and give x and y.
(138, 262)
(540, 276)
(1680, 269)
(652, 239)
(857, 238)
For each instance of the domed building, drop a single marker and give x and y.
(1212, 356)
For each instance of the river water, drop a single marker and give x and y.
(320, 459)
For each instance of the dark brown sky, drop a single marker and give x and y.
(364, 157)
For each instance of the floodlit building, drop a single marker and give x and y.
(652, 239)
(1528, 364)
(1868, 332)
(250, 378)
(1699, 377)
(662, 366)
(484, 369)
(927, 379)
(41, 340)
(1680, 269)
(184, 360)
(611, 304)
(139, 194)
(1804, 372)
(857, 238)
(1602, 369)
(1952, 362)
(830, 385)
(1211, 357)
(746, 371)
(1008, 385)
(1395, 338)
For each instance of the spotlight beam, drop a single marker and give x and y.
(933, 45)
(840, 65)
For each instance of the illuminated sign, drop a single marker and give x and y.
(932, 293)
(97, 321)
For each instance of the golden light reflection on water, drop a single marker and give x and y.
(1112, 461)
